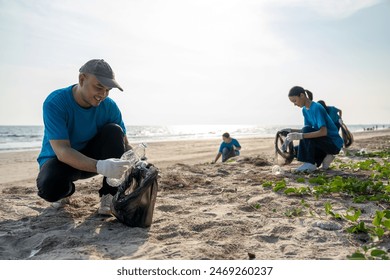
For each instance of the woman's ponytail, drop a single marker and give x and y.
(309, 94)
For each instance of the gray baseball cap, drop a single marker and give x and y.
(102, 71)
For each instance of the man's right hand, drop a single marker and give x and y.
(294, 136)
(112, 167)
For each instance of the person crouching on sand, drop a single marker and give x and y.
(84, 136)
(229, 148)
(319, 140)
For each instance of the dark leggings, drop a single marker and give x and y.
(55, 178)
(314, 150)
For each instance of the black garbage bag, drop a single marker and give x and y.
(284, 148)
(134, 202)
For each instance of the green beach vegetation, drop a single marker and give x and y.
(362, 177)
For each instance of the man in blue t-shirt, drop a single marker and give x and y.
(84, 136)
(229, 148)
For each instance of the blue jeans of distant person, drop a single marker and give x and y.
(229, 153)
(314, 150)
(55, 178)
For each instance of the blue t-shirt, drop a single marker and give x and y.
(230, 145)
(333, 113)
(64, 119)
(317, 117)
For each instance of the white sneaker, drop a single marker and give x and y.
(105, 205)
(327, 161)
(306, 167)
(60, 203)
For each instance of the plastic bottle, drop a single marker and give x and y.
(140, 151)
(130, 156)
(134, 156)
(277, 170)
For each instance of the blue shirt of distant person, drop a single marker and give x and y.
(229, 148)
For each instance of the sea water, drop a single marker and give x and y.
(14, 138)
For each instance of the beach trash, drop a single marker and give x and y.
(133, 204)
(130, 156)
(277, 170)
(140, 151)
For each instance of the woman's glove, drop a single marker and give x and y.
(112, 167)
(294, 136)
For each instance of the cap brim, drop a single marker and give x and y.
(109, 83)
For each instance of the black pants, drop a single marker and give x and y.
(226, 153)
(55, 178)
(314, 150)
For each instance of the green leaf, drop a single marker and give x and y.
(337, 216)
(278, 188)
(361, 227)
(354, 217)
(377, 253)
(337, 182)
(303, 190)
(290, 190)
(320, 180)
(357, 256)
(379, 232)
(378, 218)
(328, 208)
(279, 185)
(257, 206)
(267, 184)
(301, 180)
(386, 224)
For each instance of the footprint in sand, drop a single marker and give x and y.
(327, 225)
(168, 208)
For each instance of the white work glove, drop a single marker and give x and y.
(294, 136)
(112, 167)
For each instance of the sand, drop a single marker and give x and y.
(203, 211)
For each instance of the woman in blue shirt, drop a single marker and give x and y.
(319, 140)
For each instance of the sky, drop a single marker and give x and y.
(184, 62)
